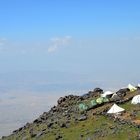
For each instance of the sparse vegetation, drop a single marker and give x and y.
(66, 122)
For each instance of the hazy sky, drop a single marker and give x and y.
(50, 46)
(99, 38)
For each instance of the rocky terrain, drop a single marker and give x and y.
(67, 121)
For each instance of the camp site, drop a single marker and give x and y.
(96, 115)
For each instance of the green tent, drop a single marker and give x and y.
(83, 106)
(100, 100)
(105, 100)
(93, 103)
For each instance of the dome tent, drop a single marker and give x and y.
(132, 88)
(107, 93)
(100, 100)
(93, 103)
(105, 100)
(136, 100)
(115, 109)
(138, 86)
(83, 106)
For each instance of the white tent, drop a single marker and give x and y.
(115, 109)
(136, 100)
(139, 85)
(107, 93)
(132, 88)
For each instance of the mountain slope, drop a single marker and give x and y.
(68, 122)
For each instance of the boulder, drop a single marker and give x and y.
(122, 92)
(15, 131)
(32, 133)
(58, 137)
(39, 120)
(61, 99)
(98, 90)
(81, 135)
(62, 125)
(50, 124)
(116, 97)
(27, 125)
(82, 118)
(20, 129)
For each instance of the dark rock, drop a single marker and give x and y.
(32, 133)
(116, 97)
(15, 131)
(122, 92)
(61, 99)
(20, 129)
(81, 135)
(62, 125)
(95, 93)
(27, 125)
(58, 137)
(138, 126)
(82, 118)
(37, 120)
(98, 90)
(50, 125)
(86, 96)
(54, 109)
(111, 127)
(44, 129)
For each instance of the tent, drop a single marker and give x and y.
(138, 85)
(132, 88)
(107, 93)
(136, 100)
(83, 106)
(115, 109)
(93, 103)
(105, 100)
(100, 100)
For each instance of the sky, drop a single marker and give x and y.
(52, 48)
(97, 38)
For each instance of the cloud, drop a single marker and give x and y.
(58, 42)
